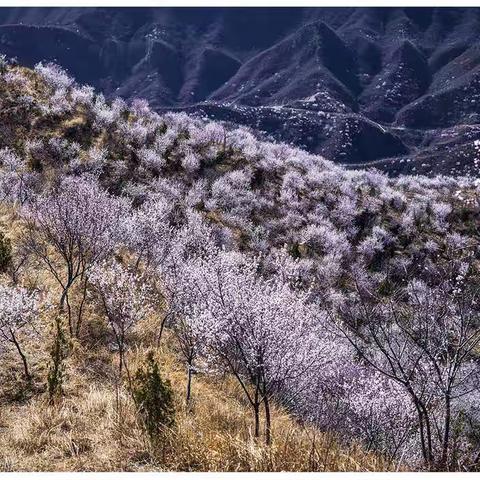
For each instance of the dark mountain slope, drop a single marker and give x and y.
(356, 84)
(312, 59)
(406, 79)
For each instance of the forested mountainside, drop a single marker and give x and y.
(394, 86)
(340, 306)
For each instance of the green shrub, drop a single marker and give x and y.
(58, 354)
(5, 252)
(153, 397)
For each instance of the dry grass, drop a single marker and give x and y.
(84, 431)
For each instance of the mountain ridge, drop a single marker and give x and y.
(399, 81)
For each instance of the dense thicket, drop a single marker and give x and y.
(346, 296)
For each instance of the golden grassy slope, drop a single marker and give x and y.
(84, 432)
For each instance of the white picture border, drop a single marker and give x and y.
(229, 475)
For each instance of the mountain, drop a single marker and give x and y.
(395, 88)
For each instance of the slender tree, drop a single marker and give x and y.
(125, 300)
(70, 230)
(18, 308)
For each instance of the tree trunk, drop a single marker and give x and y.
(446, 433)
(268, 420)
(161, 329)
(22, 356)
(256, 408)
(119, 380)
(425, 432)
(64, 301)
(256, 411)
(189, 385)
(428, 432)
(80, 308)
(421, 425)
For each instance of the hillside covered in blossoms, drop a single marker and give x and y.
(178, 295)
